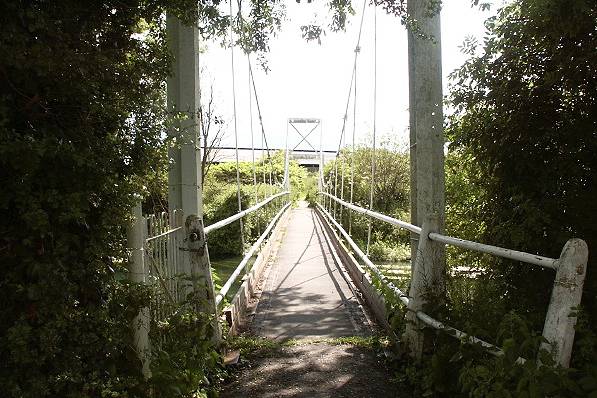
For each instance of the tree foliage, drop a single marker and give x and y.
(390, 189)
(80, 110)
(520, 174)
(220, 199)
(525, 128)
(81, 117)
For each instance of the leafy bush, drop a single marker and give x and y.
(221, 201)
(80, 115)
(462, 369)
(309, 189)
(185, 362)
(391, 190)
(387, 252)
(525, 128)
(533, 196)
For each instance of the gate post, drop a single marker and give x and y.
(565, 296)
(184, 174)
(427, 282)
(197, 266)
(138, 274)
(427, 183)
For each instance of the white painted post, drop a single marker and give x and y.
(178, 255)
(184, 99)
(566, 295)
(184, 176)
(427, 282)
(197, 265)
(426, 116)
(138, 274)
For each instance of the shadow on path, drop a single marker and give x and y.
(307, 296)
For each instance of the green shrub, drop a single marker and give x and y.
(391, 189)
(81, 113)
(221, 201)
(185, 362)
(382, 251)
(460, 369)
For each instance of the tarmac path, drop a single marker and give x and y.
(306, 294)
(309, 300)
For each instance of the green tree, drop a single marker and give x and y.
(81, 116)
(390, 188)
(526, 124)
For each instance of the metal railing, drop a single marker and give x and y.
(248, 255)
(465, 244)
(243, 213)
(162, 236)
(402, 296)
(373, 214)
(570, 267)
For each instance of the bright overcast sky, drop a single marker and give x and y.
(312, 80)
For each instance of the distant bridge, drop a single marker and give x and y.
(307, 158)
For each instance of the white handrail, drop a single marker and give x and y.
(459, 334)
(374, 214)
(162, 234)
(528, 258)
(248, 256)
(434, 323)
(496, 251)
(241, 214)
(399, 293)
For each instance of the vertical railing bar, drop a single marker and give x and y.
(164, 260)
(170, 239)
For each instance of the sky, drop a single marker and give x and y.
(311, 80)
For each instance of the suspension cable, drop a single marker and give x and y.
(352, 154)
(238, 186)
(342, 178)
(373, 160)
(352, 80)
(252, 134)
(251, 82)
(357, 50)
(263, 165)
(254, 169)
(263, 136)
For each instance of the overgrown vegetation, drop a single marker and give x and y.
(258, 346)
(390, 196)
(184, 359)
(81, 121)
(520, 174)
(220, 199)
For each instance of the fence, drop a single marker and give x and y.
(157, 244)
(566, 294)
(164, 235)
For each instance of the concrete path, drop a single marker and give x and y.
(306, 294)
(316, 371)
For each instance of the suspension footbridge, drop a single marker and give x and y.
(305, 278)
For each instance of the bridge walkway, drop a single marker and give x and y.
(306, 294)
(309, 302)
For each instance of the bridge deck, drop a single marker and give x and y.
(307, 296)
